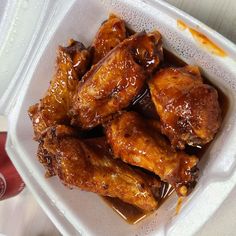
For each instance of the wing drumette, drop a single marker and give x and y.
(189, 110)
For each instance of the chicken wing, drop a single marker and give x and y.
(138, 144)
(114, 82)
(90, 167)
(72, 63)
(111, 33)
(189, 109)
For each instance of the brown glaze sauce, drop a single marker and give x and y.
(133, 214)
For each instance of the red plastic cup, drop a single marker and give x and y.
(11, 183)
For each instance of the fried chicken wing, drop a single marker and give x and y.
(114, 82)
(110, 34)
(189, 109)
(72, 63)
(90, 167)
(139, 144)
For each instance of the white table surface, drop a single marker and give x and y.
(28, 217)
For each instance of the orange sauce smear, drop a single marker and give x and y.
(179, 205)
(203, 40)
(207, 43)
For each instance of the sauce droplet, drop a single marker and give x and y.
(181, 25)
(179, 205)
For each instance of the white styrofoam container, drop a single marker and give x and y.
(76, 212)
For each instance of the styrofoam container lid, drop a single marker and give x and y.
(23, 24)
(78, 212)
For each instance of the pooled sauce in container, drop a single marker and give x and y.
(133, 214)
(128, 212)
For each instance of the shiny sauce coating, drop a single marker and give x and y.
(144, 105)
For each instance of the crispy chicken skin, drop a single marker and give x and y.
(45, 159)
(189, 109)
(90, 167)
(72, 63)
(60, 131)
(114, 82)
(137, 143)
(110, 34)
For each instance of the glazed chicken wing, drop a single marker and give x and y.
(72, 63)
(110, 34)
(139, 144)
(90, 167)
(113, 83)
(189, 109)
